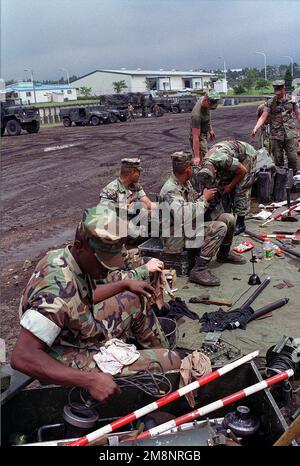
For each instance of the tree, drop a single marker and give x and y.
(239, 89)
(288, 80)
(250, 78)
(85, 91)
(119, 86)
(261, 83)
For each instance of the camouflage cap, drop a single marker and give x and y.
(131, 163)
(213, 95)
(205, 174)
(182, 159)
(105, 233)
(278, 82)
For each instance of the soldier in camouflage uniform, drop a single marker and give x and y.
(126, 189)
(65, 317)
(280, 110)
(201, 125)
(230, 165)
(218, 234)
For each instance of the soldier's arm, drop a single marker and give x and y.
(30, 356)
(195, 137)
(261, 121)
(147, 202)
(239, 174)
(297, 112)
(140, 287)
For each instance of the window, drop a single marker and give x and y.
(28, 94)
(69, 91)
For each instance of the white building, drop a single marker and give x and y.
(40, 93)
(101, 81)
(221, 85)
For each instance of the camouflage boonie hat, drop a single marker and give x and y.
(213, 95)
(182, 159)
(131, 163)
(278, 83)
(105, 233)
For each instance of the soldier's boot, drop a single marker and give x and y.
(225, 255)
(240, 226)
(201, 275)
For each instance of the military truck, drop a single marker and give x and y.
(15, 117)
(94, 116)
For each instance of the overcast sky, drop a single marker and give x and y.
(85, 35)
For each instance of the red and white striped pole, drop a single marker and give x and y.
(93, 436)
(213, 406)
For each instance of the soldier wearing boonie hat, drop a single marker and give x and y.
(66, 318)
(125, 191)
(280, 111)
(201, 125)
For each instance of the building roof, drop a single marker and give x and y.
(153, 73)
(37, 86)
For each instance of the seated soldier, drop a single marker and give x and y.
(230, 166)
(65, 317)
(218, 235)
(126, 189)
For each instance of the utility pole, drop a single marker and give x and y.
(31, 73)
(292, 63)
(265, 62)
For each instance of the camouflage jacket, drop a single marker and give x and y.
(116, 192)
(177, 195)
(226, 155)
(281, 117)
(200, 117)
(57, 304)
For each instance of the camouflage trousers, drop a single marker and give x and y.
(241, 195)
(290, 148)
(217, 232)
(122, 316)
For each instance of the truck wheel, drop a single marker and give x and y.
(175, 109)
(13, 128)
(33, 127)
(95, 121)
(113, 118)
(67, 122)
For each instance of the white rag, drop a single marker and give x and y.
(114, 355)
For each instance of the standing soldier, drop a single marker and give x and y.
(280, 110)
(130, 109)
(200, 124)
(230, 165)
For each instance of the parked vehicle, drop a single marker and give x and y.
(82, 116)
(15, 117)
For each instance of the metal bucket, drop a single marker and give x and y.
(170, 329)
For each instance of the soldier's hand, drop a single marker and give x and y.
(253, 134)
(227, 188)
(212, 135)
(140, 287)
(101, 386)
(209, 194)
(196, 161)
(155, 265)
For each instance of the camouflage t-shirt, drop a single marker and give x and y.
(200, 117)
(226, 155)
(116, 192)
(281, 117)
(57, 303)
(177, 196)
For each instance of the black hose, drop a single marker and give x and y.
(268, 308)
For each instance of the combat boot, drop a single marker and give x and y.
(240, 226)
(201, 275)
(226, 256)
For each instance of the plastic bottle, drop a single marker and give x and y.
(268, 249)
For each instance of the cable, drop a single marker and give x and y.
(155, 384)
